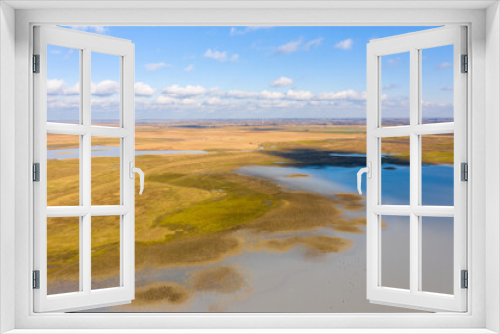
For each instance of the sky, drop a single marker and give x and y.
(248, 73)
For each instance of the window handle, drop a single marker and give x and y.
(368, 172)
(133, 170)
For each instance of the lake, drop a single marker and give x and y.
(291, 281)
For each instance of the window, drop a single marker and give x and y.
(101, 192)
(474, 318)
(409, 206)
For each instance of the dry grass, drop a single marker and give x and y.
(316, 245)
(169, 292)
(218, 279)
(351, 202)
(297, 175)
(298, 212)
(189, 251)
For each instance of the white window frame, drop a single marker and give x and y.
(484, 303)
(86, 43)
(413, 43)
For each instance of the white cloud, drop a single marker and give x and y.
(156, 66)
(298, 45)
(189, 68)
(104, 104)
(168, 100)
(95, 29)
(55, 86)
(56, 103)
(346, 44)
(281, 82)
(289, 47)
(188, 91)
(221, 56)
(215, 101)
(447, 88)
(59, 87)
(73, 90)
(349, 94)
(267, 95)
(217, 55)
(245, 30)
(143, 89)
(263, 95)
(238, 94)
(235, 57)
(444, 65)
(106, 87)
(299, 95)
(315, 42)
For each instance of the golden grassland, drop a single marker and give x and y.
(193, 203)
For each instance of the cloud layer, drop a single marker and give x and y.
(201, 102)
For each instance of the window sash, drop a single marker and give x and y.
(413, 43)
(86, 297)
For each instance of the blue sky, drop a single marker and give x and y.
(249, 72)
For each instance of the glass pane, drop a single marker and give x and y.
(105, 252)
(437, 254)
(63, 255)
(395, 244)
(63, 170)
(395, 89)
(105, 89)
(437, 84)
(63, 84)
(437, 169)
(395, 172)
(105, 171)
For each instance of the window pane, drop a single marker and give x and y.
(395, 172)
(63, 255)
(105, 252)
(395, 243)
(63, 84)
(437, 254)
(437, 169)
(105, 89)
(437, 84)
(105, 171)
(63, 170)
(395, 89)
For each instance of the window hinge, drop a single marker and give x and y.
(36, 172)
(465, 64)
(464, 171)
(465, 279)
(36, 279)
(36, 63)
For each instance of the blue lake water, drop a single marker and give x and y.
(437, 233)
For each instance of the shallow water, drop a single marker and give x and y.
(291, 281)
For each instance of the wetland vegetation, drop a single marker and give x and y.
(197, 210)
